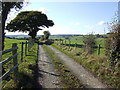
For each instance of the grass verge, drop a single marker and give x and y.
(68, 80)
(26, 71)
(98, 65)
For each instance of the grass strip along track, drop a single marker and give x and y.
(68, 80)
(26, 71)
(98, 66)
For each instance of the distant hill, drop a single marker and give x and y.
(17, 36)
(22, 36)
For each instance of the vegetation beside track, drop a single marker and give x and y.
(98, 65)
(26, 69)
(68, 80)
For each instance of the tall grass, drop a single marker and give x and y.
(98, 65)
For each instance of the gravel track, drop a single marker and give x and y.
(88, 80)
(47, 77)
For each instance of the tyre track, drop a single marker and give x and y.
(46, 72)
(88, 80)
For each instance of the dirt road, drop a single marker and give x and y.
(47, 77)
(88, 80)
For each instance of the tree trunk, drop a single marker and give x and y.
(4, 17)
(0, 28)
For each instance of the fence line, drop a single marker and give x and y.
(22, 51)
(68, 42)
(25, 48)
(14, 51)
(30, 43)
(14, 57)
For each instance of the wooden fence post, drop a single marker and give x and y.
(28, 45)
(99, 49)
(75, 45)
(22, 51)
(15, 62)
(25, 48)
(69, 43)
(65, 42)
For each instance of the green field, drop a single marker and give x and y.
(79, 41)
(26, 67)
(8, 45)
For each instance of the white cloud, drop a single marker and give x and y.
(44, 10)
(101, 23)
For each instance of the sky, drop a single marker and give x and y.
(73, 17)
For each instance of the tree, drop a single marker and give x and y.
(113, 44)
(46, 35)
(30, 21)
(113, 40)
(6, 8)
(89, 42)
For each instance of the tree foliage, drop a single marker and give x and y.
(6, 8)
(30, 21)
(113, 43)
(46, 35)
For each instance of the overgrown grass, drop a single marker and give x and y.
(68, 80)
(79, 40)
(98, 65)
(26, 69)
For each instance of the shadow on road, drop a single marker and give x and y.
(49, 73)
(36, 74)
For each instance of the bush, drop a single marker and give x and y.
(89, 42)
(113, 44)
